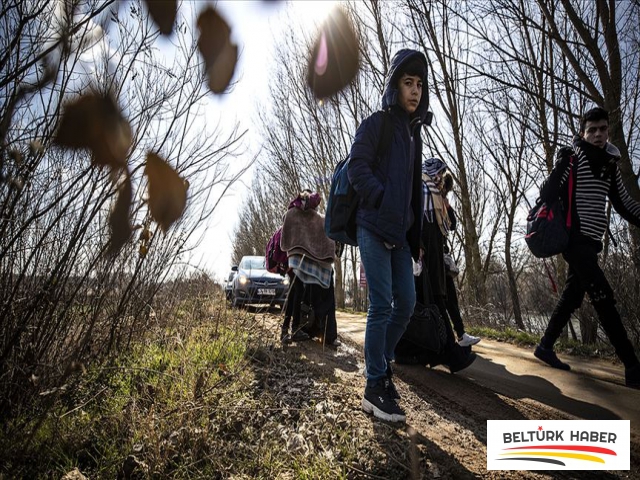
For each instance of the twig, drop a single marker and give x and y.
(370, 475)
(83, 404)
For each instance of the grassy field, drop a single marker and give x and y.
(212, 396)
(218, 401)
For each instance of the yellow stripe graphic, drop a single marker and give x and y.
(577, 456)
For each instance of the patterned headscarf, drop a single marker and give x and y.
(432, 195)
(433, 166)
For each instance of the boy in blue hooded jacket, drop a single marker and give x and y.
(388, 222)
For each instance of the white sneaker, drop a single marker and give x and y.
(467, 340)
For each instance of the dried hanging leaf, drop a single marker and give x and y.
(221, 72)
(35, 147)
(164, 13)
(16, 156)
(219, 54)
(119, 224)
(167, 191)
(335, 58)
(94, 121)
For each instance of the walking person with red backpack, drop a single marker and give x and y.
(388, 221)
(597, 177)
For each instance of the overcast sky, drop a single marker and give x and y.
(255, 28)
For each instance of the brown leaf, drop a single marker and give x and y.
(221, 71)
(335, 58)
(119, 224)
(16, 156)
(167, 191)
(145, 234)
(219, 54)
(94, 121)
(164, 13)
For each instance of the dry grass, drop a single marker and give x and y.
(216, 400)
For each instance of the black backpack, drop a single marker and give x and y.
(549, 224)
(426, 330)
(340, 216)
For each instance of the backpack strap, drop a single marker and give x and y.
(572, 175)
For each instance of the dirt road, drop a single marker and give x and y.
(508, 382)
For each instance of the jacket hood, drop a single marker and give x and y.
(390, 95)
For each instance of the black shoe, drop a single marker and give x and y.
(393, 392)
(299, 336)
(377, 401)
(549, 357)
(632, 376)
(463, 362)
(284, 336)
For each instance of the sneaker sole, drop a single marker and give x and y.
(469, 344)
(370, 408)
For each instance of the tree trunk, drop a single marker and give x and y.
(513, 287)
(588, 325)
(474, 275)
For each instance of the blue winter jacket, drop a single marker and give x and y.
(390, 188)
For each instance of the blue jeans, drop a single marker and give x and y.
(392, 297)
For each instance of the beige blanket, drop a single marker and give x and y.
(304, 229)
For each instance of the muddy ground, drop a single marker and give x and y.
(445, 432)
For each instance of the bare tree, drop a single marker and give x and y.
(62, 300)
(304, 138)
(606, 63)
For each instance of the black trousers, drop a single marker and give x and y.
(439, 300)
(453, 309)
(323, 301)
(586, 276)
(292, 307)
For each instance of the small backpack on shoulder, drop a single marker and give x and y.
(275, 259)
(340, 216)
